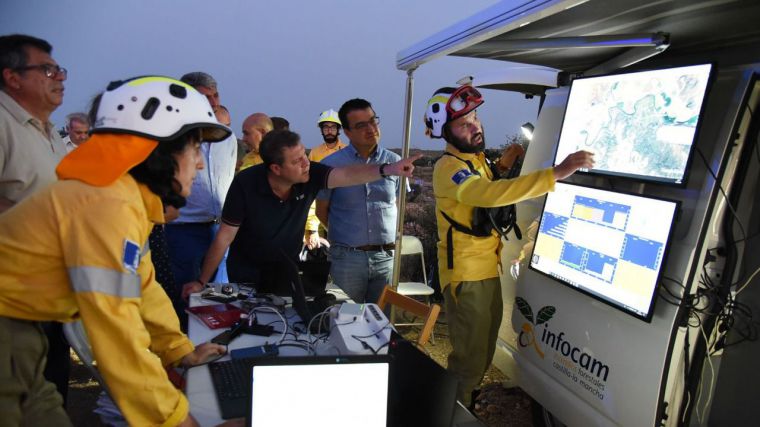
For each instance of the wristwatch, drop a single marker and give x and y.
(382, 170)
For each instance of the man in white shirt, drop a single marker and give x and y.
(78, 129)
(191, 234)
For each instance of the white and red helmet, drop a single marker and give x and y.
(449, 104)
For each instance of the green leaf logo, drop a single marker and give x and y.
(545, 314)
(525, 309)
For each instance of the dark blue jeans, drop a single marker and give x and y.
(362, 275)
(188, 244)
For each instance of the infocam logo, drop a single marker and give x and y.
(568, 358)
(527, 335)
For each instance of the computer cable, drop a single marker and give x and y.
(302, 346)
(319, 317)
(382, 346)
(725, 196)
(720, 295)
(689, 301)
(298, 341)
(282, 319)
(328, 345)
(710, 385)
(676, 298)
(365, 344)
(295, 337)
(757, 155)
(386, 326)
(737, 318)
(747, 282)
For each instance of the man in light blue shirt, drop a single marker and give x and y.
(191, 234)
(361, 219)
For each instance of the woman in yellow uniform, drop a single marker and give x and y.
(78, 250)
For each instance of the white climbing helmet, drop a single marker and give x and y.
(156, 107)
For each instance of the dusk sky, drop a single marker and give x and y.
(285, 58)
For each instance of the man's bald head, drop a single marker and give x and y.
(255, 127)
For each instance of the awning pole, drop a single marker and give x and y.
(401, 202)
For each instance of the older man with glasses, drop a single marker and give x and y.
(31, 88)
(361, 219)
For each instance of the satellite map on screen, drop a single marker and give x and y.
(640, 124)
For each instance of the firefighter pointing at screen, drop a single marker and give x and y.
(468, 189)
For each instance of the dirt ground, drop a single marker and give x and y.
(495, 406)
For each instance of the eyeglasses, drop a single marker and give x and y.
(330, 126)
(50, 70)
(462, 101)
(374, 122)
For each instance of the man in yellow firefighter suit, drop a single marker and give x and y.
(78, 249)
(468, 263)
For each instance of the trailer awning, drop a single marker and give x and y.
(550, 33)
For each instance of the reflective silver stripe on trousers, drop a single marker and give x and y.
(105, 281)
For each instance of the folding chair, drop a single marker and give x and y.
(428, 312)
(411, 245)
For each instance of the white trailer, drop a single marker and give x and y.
(694, 362)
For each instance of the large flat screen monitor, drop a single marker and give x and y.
(639, 125)
(608, 245)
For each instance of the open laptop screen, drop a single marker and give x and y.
(320, 391)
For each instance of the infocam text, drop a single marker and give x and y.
(584, 369)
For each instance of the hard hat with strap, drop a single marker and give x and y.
(449, 104)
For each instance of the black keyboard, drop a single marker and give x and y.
(232, 384)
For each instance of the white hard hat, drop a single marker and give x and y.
(156, 107)
(329, 116)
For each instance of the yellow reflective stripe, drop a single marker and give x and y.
(438, 98)
(105, 281)
(144, 80)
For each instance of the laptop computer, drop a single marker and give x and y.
(314, 269)
(403, 388)
(329, 391)
(274, 276)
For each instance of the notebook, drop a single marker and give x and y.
(329, 391)
(403, 388)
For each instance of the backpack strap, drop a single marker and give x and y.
(454, 225)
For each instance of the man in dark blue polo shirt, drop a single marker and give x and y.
(267, 205)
